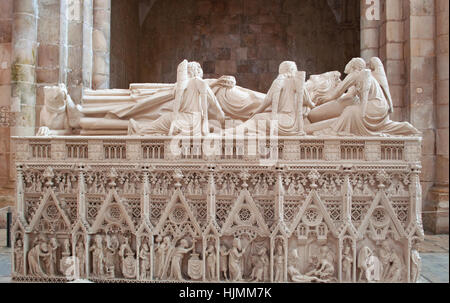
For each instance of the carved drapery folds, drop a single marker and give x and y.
(159, 220)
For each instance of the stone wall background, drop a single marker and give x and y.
(6, 115)
(246, 38)
(124, 43)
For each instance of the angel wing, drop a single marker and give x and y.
(182, 77)
(380, 75)
(180, 86)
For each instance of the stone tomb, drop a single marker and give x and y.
(329, 192)
(299, 209)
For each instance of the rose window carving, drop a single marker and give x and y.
(52, 212)
(312, 217)
(379, 217)
(244, 215)
(178, 214)
(114, 213)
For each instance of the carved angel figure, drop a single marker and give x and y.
(362, 104)
(193, 96)
(285, 96)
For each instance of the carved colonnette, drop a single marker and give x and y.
(329, 209)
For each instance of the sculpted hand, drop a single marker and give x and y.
(43, 131)
(221, 117)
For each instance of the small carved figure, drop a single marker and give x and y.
(177, 257)
(347, 261)
(416, 264)
(18, 257)
(279, 264)
(112, 244)
(324, 268)
(291, 189)
(235, 260)
(40, 250)
(159, 256)
(211, 263)
(384, 254)
(144, 255)
(366, 190)
(52, 265)
(395, 269)
(369, 265)
(166, 249)
(294, 272)
(128, 260)
(66, 251)
(80, 253)
(224, 261)
(61, 185)
(260, 262)
(98, 258)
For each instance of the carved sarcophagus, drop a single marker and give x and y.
(285, 209)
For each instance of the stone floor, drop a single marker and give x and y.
(434, 252)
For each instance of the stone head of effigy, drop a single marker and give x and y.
(287, 67)
(356, 64)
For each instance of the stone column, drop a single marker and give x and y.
(7, 119)
(420, 88)
(391, 53)
(23, 74)
(88, 20)
(48, 60)
(75, 49)
(438, 196)
(101, 44)
(370, 23)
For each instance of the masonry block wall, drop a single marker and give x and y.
(124, 43)
(246, 39)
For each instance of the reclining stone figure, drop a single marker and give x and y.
(324, 105)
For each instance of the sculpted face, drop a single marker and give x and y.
(356, 64)
(195, 70)
(44, 247)
(279, 249)
(237, 243)
(55, 97)
(287, 67)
